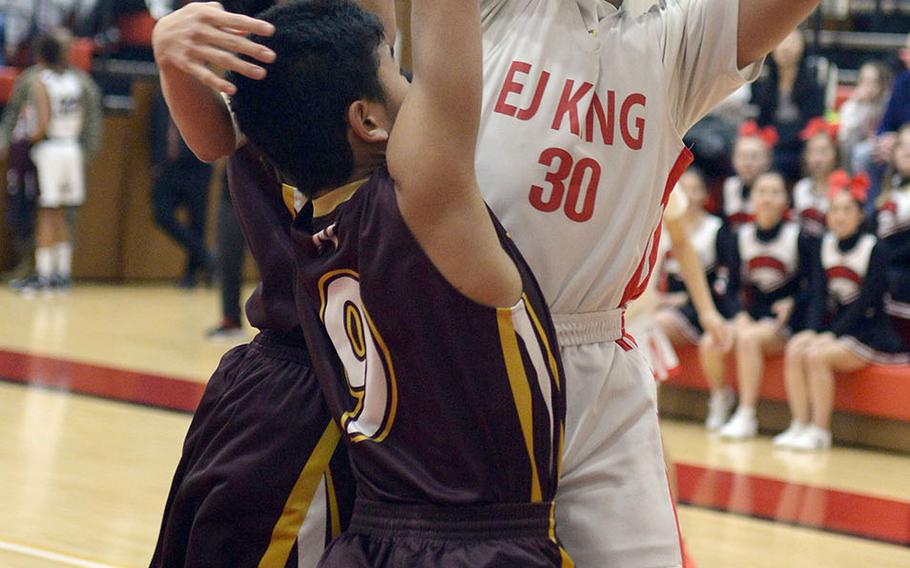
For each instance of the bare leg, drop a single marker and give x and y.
(712, 357)
(795, 377)
(753, 342)
(669, 325)
(823, 362)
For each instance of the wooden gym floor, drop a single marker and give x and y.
(96, 390)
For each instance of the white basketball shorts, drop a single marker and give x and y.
(61, 173)
(613, 506)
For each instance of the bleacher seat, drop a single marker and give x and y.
(8, 76)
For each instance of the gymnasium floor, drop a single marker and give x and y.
(95, 394)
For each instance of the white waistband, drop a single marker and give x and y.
(591, 327)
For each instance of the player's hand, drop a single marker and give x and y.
(717, 329)
(673, 300)
(782, 309)
(884, 147)
(202, 34)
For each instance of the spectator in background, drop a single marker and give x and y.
(820, 160)
(861, 114)
(180, 180)
(23, 19)
(712, 138)
(752, 156)
(231, 251)
(894, 229)
(16, 128)
(776, 264)
(855, 331)
(677, 315)
(897, 114)
(788, 96)
(59, 99)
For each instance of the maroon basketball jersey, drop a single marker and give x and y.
(265, 221)
(442, 400)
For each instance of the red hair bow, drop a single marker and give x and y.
(768, 134)
(819, 125)
(857, 186)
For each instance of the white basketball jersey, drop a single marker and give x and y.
(580, 137)
(846, 271)
(809, 207)
(894, 216)
(769, 266)
(737, 209)
(66, 97)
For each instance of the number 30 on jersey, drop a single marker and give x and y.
(365, 357)
(573, 185)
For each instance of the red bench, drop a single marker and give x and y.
(873, 401)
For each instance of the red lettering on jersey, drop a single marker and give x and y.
(510, 86)
(531, 111)
(555, 179)
(606, 121)
(568, 103)
(634, 142)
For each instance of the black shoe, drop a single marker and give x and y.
(61, 284)
(188, 282)
(30, 285)
(228, 330)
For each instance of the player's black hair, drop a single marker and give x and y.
(247, 7)
(49, 50)
(297, 116)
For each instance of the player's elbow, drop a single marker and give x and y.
(211, 152)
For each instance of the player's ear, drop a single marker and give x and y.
(364, 118)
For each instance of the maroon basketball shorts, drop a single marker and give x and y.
(263, 480)
(416, 536)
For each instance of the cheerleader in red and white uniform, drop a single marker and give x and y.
(775, 263)
(753, 155)
(894, 229)
(820, 160)
(853, 332)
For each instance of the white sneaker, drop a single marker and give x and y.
(743, 425)
(720, 406)
(785, 438)
(812, 439)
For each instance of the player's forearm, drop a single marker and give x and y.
(448, 60)
(200, 114)
(763, 24)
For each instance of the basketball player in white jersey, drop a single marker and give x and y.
(584, 110)
(58, 97)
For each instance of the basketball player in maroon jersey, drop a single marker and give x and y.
(430, 336)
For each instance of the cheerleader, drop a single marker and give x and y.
(820, 159)
(679, 316)
(774, 262)
(854, 333)
(894, 228)
(654, 332)
(753, 155)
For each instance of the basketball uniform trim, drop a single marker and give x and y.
(284, 533)
(329, 202)
(332, 499)
(348, 417)
(521, 390)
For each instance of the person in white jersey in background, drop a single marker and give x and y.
(58, 97)
(584, 109)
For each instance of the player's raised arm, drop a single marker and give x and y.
(186, 44)
(431, 150)
(765, 23)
